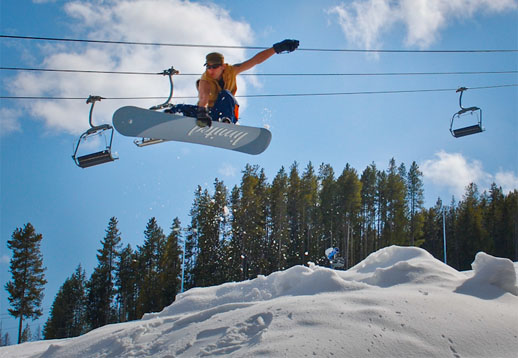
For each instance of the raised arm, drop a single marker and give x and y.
(286, 45)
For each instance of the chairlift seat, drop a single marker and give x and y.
(461, 132)
(89, 160)
(467, 130)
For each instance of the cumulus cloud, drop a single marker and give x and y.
(507, 180)
(157, 21)
(9, 121)
(454, 172)
(365, 21)
(228, 170)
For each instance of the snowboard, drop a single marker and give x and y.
(144, 123)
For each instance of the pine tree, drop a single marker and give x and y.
(28, 279)
(68, 315)
(415, 197)
(368, 199)
(191, 242)
(493, 207)
(208, 269)
(278, 207)
(171, 266)
(470, 228)
(394, 228)
(26, 334)
(149, 256)
(328, 208)
(349, 198)
(249, 222)
(126, 284)
(381, 208)
(101, 286)
(433, 230)
(453, 241)
(295, 255)
(510, 225)
(235, 248)
(309, 215)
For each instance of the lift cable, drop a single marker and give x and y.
(271, 95)
(251, 47)
(264, 74)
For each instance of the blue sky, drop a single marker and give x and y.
(71, 207)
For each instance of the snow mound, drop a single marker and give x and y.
(295, 281)
(398, 302)
(492, 276)
(397, 265)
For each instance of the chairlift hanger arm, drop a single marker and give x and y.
(92, 99)
(169, 72)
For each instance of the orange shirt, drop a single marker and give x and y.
(229, 78)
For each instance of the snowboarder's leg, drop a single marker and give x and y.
(225, 108)
(188, 110)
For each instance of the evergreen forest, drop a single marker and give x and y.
(261, 226)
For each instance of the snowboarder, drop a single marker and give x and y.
(334, 260)
(217, 85)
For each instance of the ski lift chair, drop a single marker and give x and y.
(100, 157)
(472, 113)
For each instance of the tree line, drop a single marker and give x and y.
(258, 227)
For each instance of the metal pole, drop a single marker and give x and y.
(444, 232)
(183, 264)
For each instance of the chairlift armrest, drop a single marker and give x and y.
(469, 109)
(102, 127)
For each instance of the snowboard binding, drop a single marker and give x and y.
(100, 157)
(466, 113)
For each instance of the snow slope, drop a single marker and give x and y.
(398, 302)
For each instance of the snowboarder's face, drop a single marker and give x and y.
(215, 70)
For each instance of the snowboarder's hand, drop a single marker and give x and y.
(203, 117)
(286, 45)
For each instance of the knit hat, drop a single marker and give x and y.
(214, 58)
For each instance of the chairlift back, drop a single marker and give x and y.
(471, 114)
(102, 156)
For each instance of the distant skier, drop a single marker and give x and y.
(331, 253)
(334, 259)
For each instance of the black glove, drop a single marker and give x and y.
(203, 117)
(286, 45)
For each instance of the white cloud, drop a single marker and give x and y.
(454, 172)
(9, 122)
(158, 21)
(365, 21)
(507, 180)
(228, 170)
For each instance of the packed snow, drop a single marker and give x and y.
(398, 302)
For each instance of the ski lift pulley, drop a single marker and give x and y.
(464, 113)
(100, 157)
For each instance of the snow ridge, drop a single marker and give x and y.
(399, 301)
